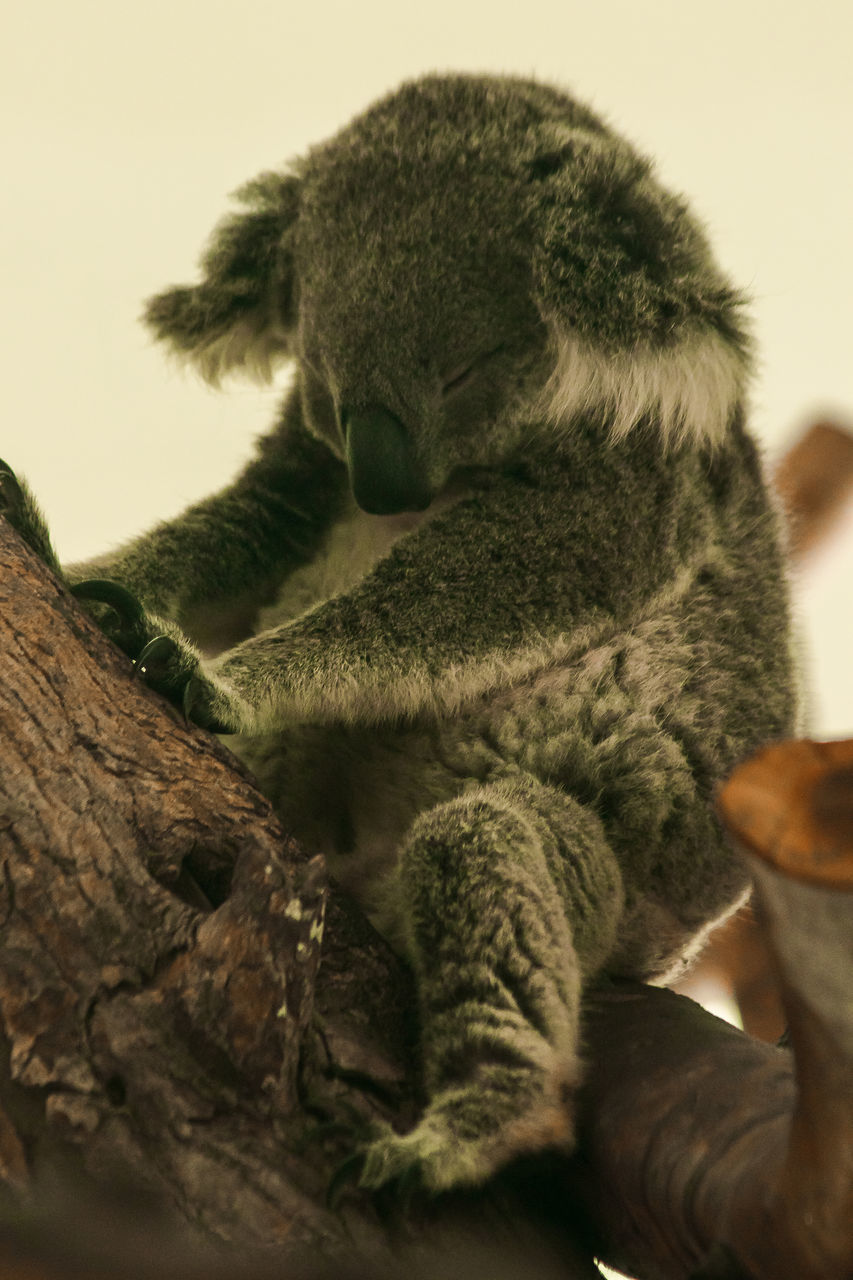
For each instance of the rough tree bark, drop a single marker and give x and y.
(167, 1026)
(163, 1025)
(160, 944)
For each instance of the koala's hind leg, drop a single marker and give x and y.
(510, 895)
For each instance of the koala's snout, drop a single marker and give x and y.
(384, 472)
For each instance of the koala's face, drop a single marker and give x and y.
(418, 336)
(464, 272)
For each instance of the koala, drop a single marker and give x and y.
(500, 598)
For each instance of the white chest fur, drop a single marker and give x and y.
(354, 545)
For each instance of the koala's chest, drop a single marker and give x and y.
(355, 544)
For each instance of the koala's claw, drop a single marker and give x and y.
(154, 662)
(197, 709)
(393, 1196)
(156, 653)
(347, 1174)
(104, 591)
(403, 1161)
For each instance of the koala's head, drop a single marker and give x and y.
(461, 273)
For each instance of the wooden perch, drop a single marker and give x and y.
(160, 944)
(714, 1141)
(792, 807)
(166, 1027)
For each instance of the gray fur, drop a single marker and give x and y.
(501, 702)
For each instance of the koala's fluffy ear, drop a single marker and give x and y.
(644, 324)
(240, 316)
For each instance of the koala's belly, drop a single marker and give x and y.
(594, 729)
(353, 793)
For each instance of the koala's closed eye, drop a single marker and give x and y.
(463, 374)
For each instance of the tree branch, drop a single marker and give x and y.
(167, 1027)
(161, 938)
(698, 1136)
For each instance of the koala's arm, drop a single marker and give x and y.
(459, 606)
(212, 567)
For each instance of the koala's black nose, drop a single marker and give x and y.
(384, 472)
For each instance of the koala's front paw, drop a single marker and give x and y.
(174, 668)
(161, 655)
(159, 650)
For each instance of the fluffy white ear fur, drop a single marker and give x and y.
(689, 388)
(253, 348)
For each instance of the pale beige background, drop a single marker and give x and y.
(124, 125)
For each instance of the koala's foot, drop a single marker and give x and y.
(497, 888)
(19, 507)
(469, 1133)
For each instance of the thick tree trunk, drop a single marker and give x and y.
(167, 1026)
(160, 944)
